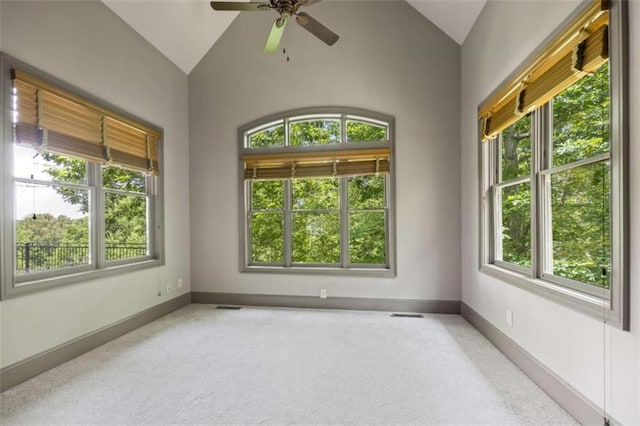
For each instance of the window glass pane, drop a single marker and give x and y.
(314, 132)
(366, 192)
(580, 223)
(125, 226)
(52, 227)
(366, 237)
(267, 237)
(516, 224)
(359, 131)
(315, 194)
(316, 237)
(516, 149)
(30, 164)
(270, 137)
(581, 119)
(267, 194)
(123, 179)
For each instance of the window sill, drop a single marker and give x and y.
(28, 287)
(587, 304)
(331, 271)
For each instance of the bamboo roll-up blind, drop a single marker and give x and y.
(316, 164)
(52, 119)
(580, 49)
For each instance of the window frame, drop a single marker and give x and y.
(614, 308)
(244, 196)
(14, 285)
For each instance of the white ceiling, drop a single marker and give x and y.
(185, 30)
(454, 17)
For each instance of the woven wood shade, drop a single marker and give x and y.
(354, 162)
(580, 49)
(54, 120)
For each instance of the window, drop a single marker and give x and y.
(554, 176)
(317, 188)
(85, 187)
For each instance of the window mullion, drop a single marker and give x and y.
(285, 123)
(344, 222)
(151, 215)
(538, 137)
(97, 214)
(248, 219)
(288, 226)
(544, 224)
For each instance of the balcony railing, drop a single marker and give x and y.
(36, 256)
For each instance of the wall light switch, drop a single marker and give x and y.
(509, 317)
(180, 282)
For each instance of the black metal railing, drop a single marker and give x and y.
(37, 256)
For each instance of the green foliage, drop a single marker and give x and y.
(367, 237)
(316, 221)
(316, 237)
(581, 119)
(315, 194)
(516, 149)
(579, 197)
(315, 203)
(267, 237)
(366, 192)
(580, 217)
(123, 179)
(267, 233)
(39, 240)
(516, 224)
(125, 219)
(125, 215)
(46, 228)
(316, 132)
(273, 136)
(358, 131)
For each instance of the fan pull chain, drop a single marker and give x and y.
(284, 50)
(33, 192)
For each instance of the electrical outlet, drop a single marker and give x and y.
(180, 282)
(168, 287)
(509, 317)
(323, 293)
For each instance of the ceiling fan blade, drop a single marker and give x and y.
(275, 35)
(317, 29)
(239, 6)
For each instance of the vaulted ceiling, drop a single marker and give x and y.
(185, 30)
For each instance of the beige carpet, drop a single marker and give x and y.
(200, 365)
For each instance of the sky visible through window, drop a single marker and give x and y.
(37, 199)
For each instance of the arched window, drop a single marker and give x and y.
(317, 191)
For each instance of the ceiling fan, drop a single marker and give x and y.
(286, 9)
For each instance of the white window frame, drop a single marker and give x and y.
(611, 306)
(15, 285)
(344, 267)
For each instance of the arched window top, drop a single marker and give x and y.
(327, 127)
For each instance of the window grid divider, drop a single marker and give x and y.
(344, 222)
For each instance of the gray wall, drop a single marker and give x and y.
(389, 59)
(600, 362)
(86, 45)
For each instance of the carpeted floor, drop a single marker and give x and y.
(200, 365)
